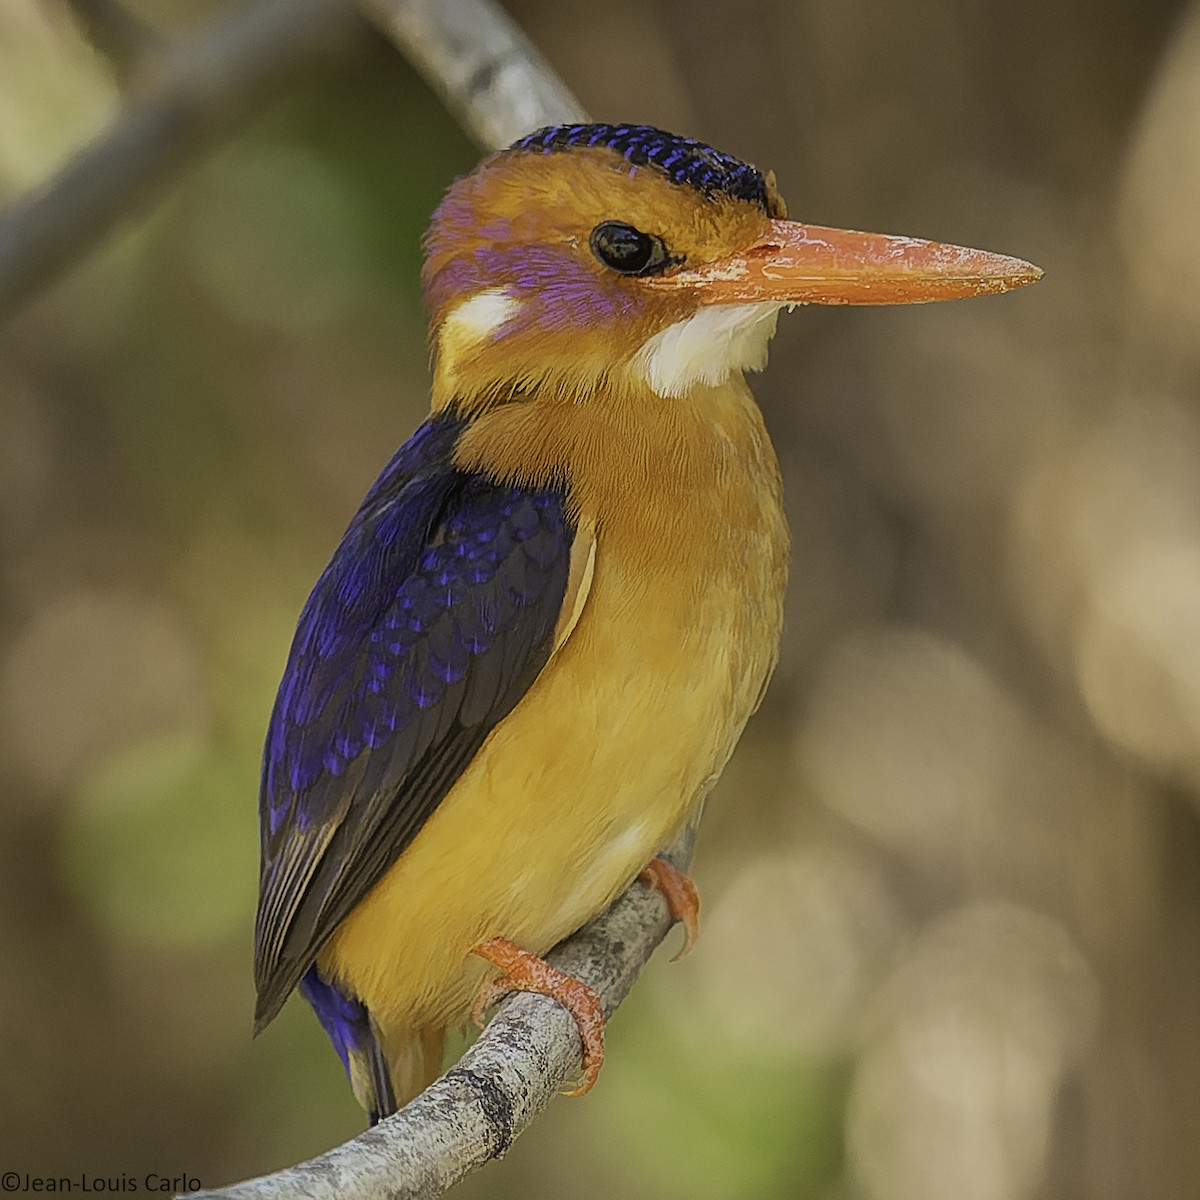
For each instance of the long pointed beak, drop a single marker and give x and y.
(808, 264)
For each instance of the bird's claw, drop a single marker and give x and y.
(525, 972)
(681, 896)
(489, 995)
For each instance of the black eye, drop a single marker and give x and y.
(628, 250)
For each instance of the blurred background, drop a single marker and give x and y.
(952, 877)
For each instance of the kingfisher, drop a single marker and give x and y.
(539, 639)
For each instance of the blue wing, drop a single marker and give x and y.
(431, 621)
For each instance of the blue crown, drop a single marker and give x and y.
(681, 159)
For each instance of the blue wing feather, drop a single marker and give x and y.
(434, 616)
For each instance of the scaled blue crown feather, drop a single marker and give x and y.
(682, 160)
(434, 616)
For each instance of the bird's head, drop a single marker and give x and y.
(614, 256)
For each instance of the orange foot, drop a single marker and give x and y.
(525, 972)
(681, 897)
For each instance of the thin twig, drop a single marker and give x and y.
(124, 39)
(512, 1072)
(206, 86)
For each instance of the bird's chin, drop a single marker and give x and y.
(707, 347)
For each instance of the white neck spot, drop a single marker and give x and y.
(466, 325)
(708, 347)
(479, 315)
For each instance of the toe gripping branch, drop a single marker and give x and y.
(525, 972)
(681, 896)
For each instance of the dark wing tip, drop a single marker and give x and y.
(274, 985)
(266, 1009)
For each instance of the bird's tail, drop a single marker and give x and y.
(370, 1080)
(413, 1061)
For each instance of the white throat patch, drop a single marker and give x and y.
(708, 347)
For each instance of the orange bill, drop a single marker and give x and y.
(808, 264)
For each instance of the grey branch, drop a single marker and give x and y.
(124, 39)
(511, 1073)
(487, 72)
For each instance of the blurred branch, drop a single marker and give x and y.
(487, 72)
(124, 39)
(512, 1072)
(206, 86)
(476, 58)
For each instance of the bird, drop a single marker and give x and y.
(539, 639)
